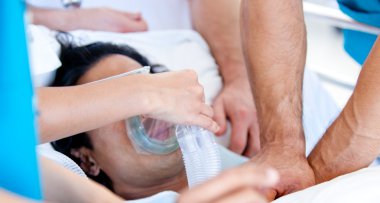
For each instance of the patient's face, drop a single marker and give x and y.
(133, 174)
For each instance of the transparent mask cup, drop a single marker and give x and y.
(150, 136)
(199, 150)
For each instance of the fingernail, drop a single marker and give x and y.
(216, 127)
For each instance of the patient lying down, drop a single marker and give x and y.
(106, 154)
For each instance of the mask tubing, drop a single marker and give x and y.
(200, 154)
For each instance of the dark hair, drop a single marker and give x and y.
(76, 61)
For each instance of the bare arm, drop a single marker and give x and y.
(274, 41)
(64, 111)
(175, 97)
(6, 196)
(353, 140)
(218, 21)
(61, 185)
(98, 19)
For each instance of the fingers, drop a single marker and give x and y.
(134, 22)
(207, 111)
(135, 16)
(241, 196)
(220, 116)
(253, 141)
(239, 135)
(205, 122)
(270, 194)
(135, 26)
(204, 118)
(230, 181)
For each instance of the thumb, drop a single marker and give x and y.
(270, 194)
(135, 16)
(220, 116)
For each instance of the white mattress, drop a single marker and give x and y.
(362, 186)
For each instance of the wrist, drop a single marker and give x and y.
(278, 150)
(234, 73)
(150, 97)
(140, 97)
(68, 20)
(231, 68)
(342, 143)
(297, 148)
(53, 18)
(284, 132)
(280, 121)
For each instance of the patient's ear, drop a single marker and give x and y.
(87, 162)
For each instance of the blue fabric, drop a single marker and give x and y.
(359, 44)
(19, 168)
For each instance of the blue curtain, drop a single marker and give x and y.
(18, 160)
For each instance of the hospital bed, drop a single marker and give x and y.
(329, 13)
(178, 49)
(326, 12)
(176, 56)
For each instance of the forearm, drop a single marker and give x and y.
(65, 111)
(218, 22)
(274, 42)
(61, 185)
(6, 196)
(52, 18)
(353, 141)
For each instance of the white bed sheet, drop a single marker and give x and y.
(361, 186)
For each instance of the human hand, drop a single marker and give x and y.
(236, 185)
(179, 98)
(97, 19)
(105, 19)
(293, 168)
(235, 102)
